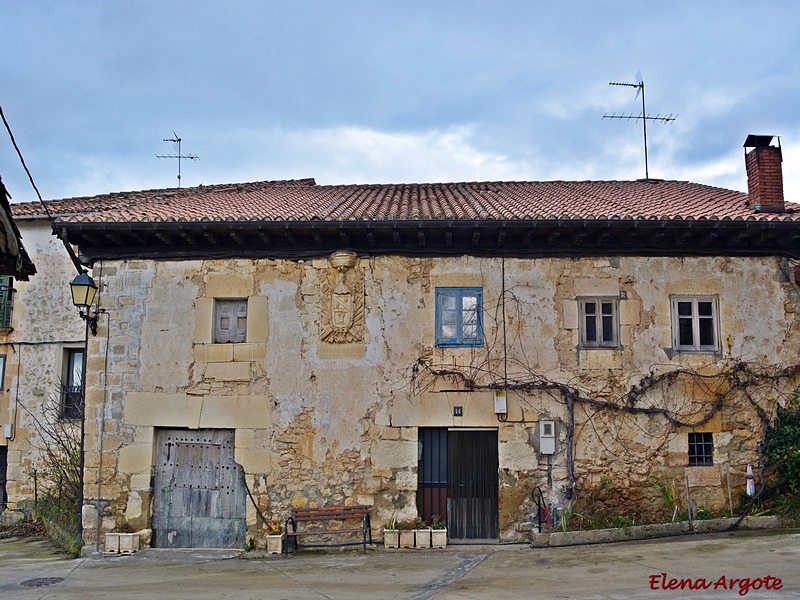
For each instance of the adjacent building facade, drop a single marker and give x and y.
(448, 349)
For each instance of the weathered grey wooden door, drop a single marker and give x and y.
(199, 491)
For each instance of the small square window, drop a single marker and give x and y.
(701, 449)
(695, 326)
(230, 321)
(599, 322)
(459, 317)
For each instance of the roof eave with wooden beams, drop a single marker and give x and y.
(512, 238)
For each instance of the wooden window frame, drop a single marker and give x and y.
(695, 318)
(457, 316)
(598, 317)
(224, 335)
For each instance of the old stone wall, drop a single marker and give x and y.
(44, 325)
(333, 417)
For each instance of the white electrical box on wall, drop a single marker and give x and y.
(8, 430)
(500, 405)
(547, 437)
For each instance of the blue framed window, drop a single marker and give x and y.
(459, 317)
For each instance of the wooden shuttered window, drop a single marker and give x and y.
(230, 321)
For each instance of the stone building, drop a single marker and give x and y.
(430, 348)
(42, 347)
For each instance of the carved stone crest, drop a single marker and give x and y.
(342, 300)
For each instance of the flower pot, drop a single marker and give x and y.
(391, 538)
(438, 538)
(275, 543)
(422, 537)
(112, 543)
(406, 538)
(128, 543)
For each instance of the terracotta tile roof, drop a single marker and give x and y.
(303, 200)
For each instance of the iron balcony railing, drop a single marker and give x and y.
(71, 401)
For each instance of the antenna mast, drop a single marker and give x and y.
(643, 117)
(177, 140)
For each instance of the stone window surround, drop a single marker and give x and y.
(254, 346)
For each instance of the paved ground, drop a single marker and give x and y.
(623, 570)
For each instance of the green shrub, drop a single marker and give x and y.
(782, 448)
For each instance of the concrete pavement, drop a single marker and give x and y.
(646, 569)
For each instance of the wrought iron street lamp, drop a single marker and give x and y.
(84, 290)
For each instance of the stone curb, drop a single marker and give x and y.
(643, 532)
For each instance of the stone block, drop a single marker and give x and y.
(231, 371)
(203, 320)
(406, 480)
(704, 476)
(596, 286)
(229, 284)
(630, 311)
(570, 314)
(220, 353)
(517, 456)
(162, 410)
(135, 459)
(244, 438)
(258, 319)
(242, 352)
(599, 359)
(389, 454)
(140, 481)
(253, 460)
(235, 412)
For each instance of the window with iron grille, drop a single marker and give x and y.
(459, 317)
(701, 449)
(599, 322)
(6, 297)
(230, 320)
(72, 384)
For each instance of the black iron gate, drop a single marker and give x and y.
(3, 470)
(432, 473)
(458, 481)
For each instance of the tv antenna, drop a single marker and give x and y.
(175, 139)
(643, 117)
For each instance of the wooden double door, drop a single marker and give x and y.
(458, 480)
(199, 490)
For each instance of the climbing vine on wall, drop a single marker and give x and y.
(675, 397)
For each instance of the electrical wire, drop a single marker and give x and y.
(69, 249)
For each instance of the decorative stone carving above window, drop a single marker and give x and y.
(342, 300)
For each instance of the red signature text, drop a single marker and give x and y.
(742, 585)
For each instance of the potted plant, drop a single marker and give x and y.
(391, 537)
(438, 532)
(422, 534)
(406, 530)
(275, 535)
(126, 541)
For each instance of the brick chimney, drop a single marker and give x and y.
(764, 175)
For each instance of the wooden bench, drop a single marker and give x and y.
(325, 514)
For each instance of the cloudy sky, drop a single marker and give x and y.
(350, 91)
